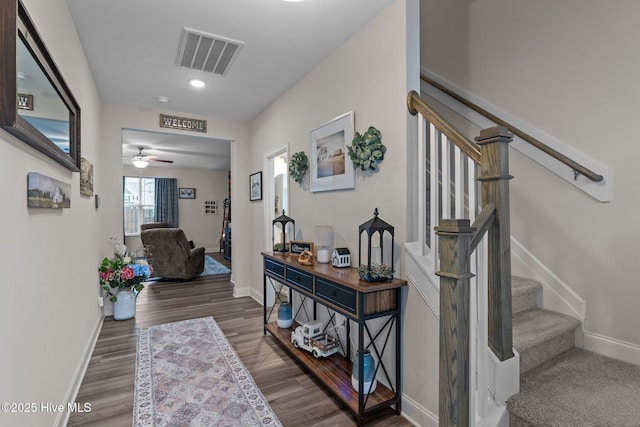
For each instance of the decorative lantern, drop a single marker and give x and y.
(280, 236)
(377, 265)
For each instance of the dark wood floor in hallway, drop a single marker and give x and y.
(296, 398)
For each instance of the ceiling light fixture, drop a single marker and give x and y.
(162, 99)
(140, 162)
(197, 83)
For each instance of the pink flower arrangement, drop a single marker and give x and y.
(122, 271)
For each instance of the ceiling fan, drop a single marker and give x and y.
(141, 161)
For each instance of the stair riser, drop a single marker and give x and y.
(524, 302)
(544, 351)
(516, 421)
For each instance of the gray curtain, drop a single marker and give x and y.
(167, 201)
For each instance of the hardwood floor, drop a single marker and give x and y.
(296, 398)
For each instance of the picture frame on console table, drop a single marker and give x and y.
(298, 246)
(330, 165)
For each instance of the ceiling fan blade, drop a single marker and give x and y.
(160, 160)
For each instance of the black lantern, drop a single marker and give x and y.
(374, 268)
(280, 237)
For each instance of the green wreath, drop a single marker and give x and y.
(367, 150)
(298, 166)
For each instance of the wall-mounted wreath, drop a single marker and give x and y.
(298, 166)
(367, 150)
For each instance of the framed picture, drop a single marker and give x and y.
(330, 168)
(86, 178)
(46, 192)
(297, 246)
(186, 193)
(255, 186)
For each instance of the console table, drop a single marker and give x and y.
(342, 291)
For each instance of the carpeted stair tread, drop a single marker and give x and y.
(524, 293)
(539, 335)
(578, 388)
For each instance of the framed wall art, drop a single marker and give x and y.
(330, 169)
(255, 186)
(86, 178)
(187, 193)
(46, 192)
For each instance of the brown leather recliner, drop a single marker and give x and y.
(169, 253)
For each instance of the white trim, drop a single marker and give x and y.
(611, 347)
(423, 281)
(600, 191)
(238, 291)
(63, 417)
(417, 414)
(557, 295)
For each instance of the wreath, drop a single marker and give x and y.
(298, 166)
(367, 150)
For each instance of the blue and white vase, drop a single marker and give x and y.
(370, 382)
(125, 306)
(285, 315)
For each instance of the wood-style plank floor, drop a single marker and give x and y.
(296, 398)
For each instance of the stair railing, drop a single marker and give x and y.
(576, 167)
(474, 270)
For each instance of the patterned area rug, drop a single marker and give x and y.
(187, 374)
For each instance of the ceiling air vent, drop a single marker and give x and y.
(207, 52)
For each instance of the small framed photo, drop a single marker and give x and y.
(297, 246)
(330, 168)
(187, 193)
(255, 186)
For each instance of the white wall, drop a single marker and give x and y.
(365, 75)
(203, 229)
(48, 291)
(567, 68)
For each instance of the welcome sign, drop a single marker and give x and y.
(183, 123)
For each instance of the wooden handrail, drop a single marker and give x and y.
(416, 105)
(575, 166)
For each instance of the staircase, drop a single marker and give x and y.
(561, 385)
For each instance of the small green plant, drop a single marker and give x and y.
(377, 273)
(298, 166)
(367, 150)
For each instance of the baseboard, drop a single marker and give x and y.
(611, 347)
(425, 284)
(239, 291)
(417, 414)
(63, 417)
(556, 294)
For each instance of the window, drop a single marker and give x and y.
(139, 203)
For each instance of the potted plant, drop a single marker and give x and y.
(121, 277)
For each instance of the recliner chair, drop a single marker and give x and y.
(169, 253)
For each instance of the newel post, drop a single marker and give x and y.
(494, 176)
(455, 272)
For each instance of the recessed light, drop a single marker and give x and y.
(162, 99)
(197, 83)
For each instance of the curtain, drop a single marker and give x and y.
(166, 201)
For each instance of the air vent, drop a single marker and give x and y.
(207, 52)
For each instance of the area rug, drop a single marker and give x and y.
(211, 267)
(187, 374)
